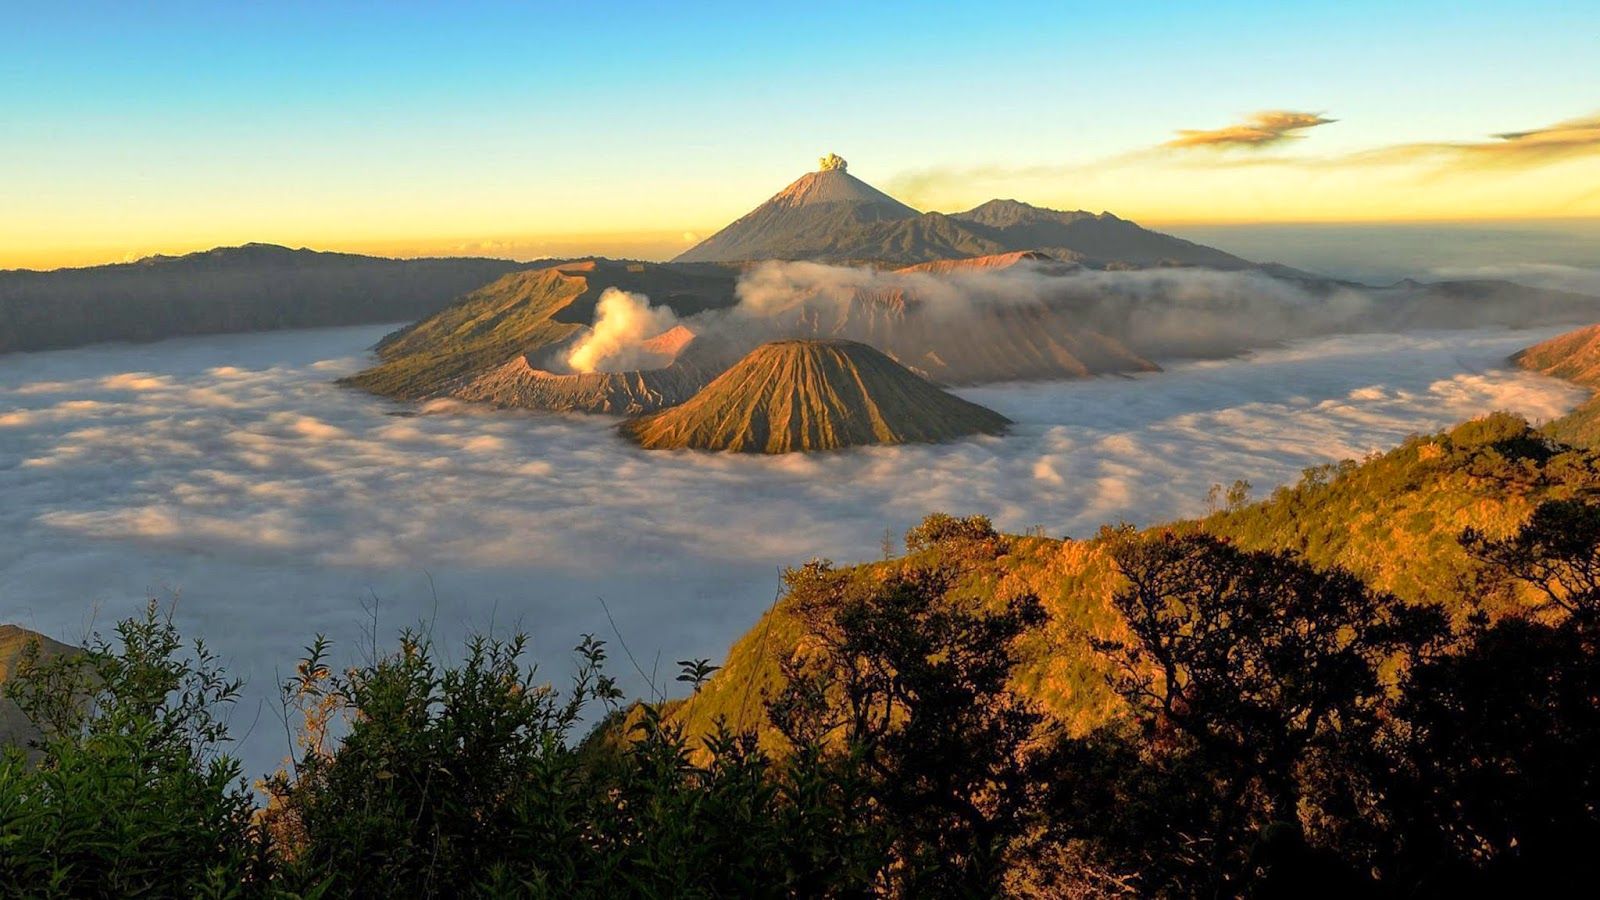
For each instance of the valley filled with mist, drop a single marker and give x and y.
(232, 474)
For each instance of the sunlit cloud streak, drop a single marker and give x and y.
(1268, 140)
(1262, 129)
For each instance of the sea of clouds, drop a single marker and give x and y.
(230, 473)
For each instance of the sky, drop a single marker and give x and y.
(634, 129)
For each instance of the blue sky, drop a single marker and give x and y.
(182, 123)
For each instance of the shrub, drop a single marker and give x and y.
(132, 795)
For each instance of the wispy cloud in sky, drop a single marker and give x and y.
(1277, 142)
(1262, 129)
(1561, 141)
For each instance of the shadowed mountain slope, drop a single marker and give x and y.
(791, 396)
(527, 313)
(1574, 357)
(15, 729)
(256, 287)
(1086, 236)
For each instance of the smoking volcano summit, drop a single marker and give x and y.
(832, 216)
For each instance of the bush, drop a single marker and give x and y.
(1290, 731)
(132, 795)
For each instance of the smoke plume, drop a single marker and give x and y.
(1160, 313)
(1044, 319)
(1164, 313)
(623, 323)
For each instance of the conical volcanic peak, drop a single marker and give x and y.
(803, 220)
(831, 216)
(790, 396)
(831, 183)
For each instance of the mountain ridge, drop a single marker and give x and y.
(251, 287)
(832, 216)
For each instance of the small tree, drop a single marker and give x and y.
(959, 537)
(1556, 552)
(1267, 666)
(909, 684)
(132, 794)
(425, 790)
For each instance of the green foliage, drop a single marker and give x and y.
(1270, 671)
(912, 688)
(1393, 520)
(1557, 552)
(1288, 730)
(423, 791)
(132, 795)
(941, 531)
(466, 780)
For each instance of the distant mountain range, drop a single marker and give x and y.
(1003, 292)
(832, 216)
(256, 287)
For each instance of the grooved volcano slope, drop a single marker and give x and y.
(791, 396)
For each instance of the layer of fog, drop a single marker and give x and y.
(1158, 314)
(231, 470)
(1383, 253)
(1161, 312)
(1545, 275)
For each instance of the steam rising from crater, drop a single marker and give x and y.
(1169, 313)
(1003, 318)
(623, 323)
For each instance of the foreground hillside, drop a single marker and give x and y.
(1394, 520)
(1165, 713)
(1574, 357)
(257, 287)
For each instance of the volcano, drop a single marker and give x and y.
(832, 216)
(808, 395)
(803, 219)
